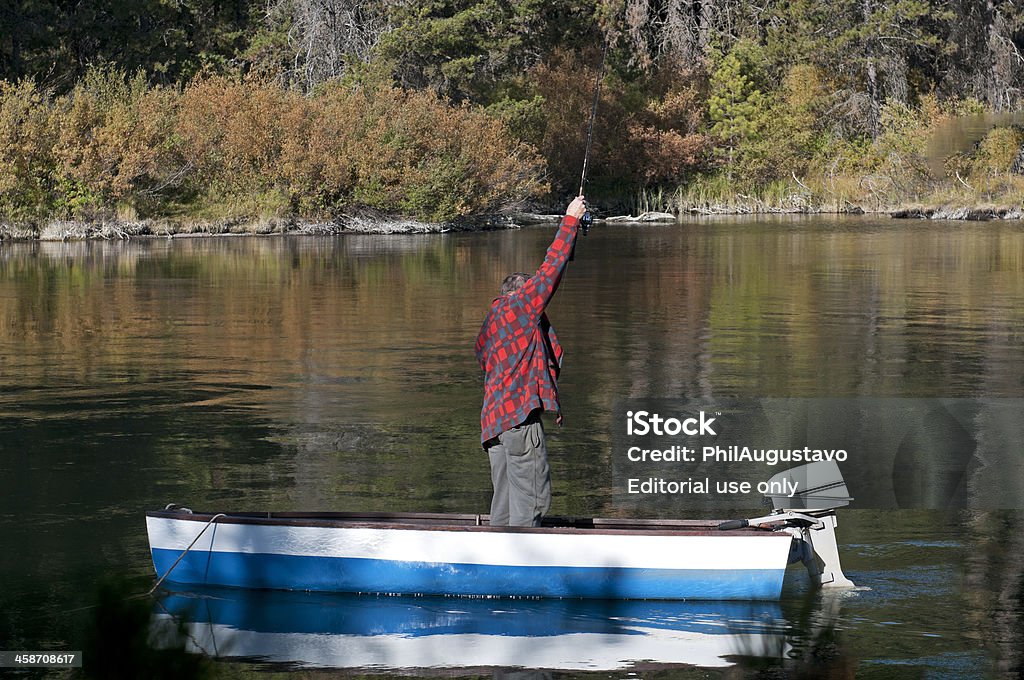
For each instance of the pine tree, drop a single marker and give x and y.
(736, 105)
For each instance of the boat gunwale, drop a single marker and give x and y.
(466, 522)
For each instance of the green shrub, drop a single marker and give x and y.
(997, 151)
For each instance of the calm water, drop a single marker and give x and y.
(338, 374)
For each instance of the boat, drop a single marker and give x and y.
(423, 635)
(461, 554)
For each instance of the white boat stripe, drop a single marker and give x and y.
(481, 548)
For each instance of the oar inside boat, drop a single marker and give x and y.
(809, 515)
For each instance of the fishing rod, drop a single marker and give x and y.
(587, 218)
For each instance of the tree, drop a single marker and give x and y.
(55, 43)
(479, 50)
(25, 41)
(683, 31)
(736, 105)
(325, 38)
(867, 46)
(981, 52)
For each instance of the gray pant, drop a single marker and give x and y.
(521, 476)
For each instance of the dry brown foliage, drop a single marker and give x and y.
(224, 147)
(667, 134)
(111, 142)
(26, 141)
(644, 134)
(388, 149)
(430, 158)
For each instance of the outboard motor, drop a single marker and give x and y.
(809, 515)
(820, 489)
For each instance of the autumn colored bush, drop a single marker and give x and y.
(231, 133)
(434, 160)
(235, 148)
(565, 85)
(26, 141)
(113, 144)
(648, 132)
(998, 151)
(666, 141)
(316, 168)
(387, 149)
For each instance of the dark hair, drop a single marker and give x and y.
(513, 282)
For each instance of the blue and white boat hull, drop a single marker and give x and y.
(337, 553)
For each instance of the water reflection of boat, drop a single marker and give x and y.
(375, 633)
(431, 554)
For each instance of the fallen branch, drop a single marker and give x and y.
(797, 180)
(961, 179)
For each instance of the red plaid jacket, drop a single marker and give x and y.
(517, 348)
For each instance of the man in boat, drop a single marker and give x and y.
(521, 358)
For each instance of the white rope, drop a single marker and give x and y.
(185, 552)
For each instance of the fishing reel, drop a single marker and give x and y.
(585, 221)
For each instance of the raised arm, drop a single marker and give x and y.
(538, 290)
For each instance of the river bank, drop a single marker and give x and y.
(59, 229)
(111, 229)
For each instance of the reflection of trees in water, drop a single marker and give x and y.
(350, 361)
(995, 586)
(326, 337)
(811, 312)
(995, 564)
(671, 313)
(811, 644)
(322, 339)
